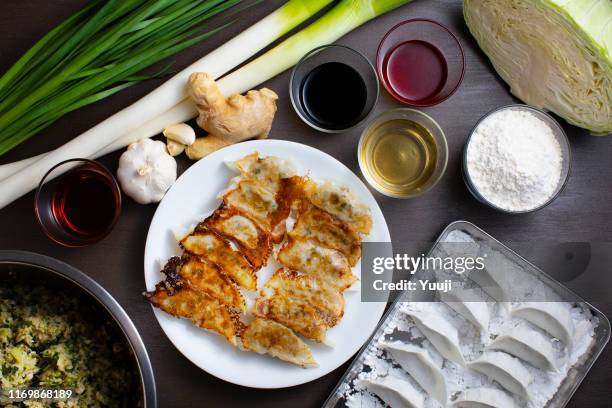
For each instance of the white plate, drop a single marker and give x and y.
(194, 196)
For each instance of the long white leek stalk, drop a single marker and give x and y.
(164, 98)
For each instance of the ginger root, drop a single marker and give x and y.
(228, 120)
(203, 146)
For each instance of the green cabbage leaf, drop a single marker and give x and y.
(554, 54)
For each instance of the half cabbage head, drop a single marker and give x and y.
(554, 54)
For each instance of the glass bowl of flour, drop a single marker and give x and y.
(517, 159)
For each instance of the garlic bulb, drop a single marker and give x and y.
(146, 171)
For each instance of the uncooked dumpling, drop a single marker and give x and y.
(417, 362)
(440, 333)
(528, 345)
(552, 317)
(506, 370)
(395, 392)
(476, 313)
(484, 398)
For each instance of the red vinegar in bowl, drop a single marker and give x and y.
(416, 70)
(420, 62)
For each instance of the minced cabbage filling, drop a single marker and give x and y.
(48, 340)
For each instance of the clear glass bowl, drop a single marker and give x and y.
(561, 137)
(424, 120)
(435, 35)
(45, 195)
(333, 53)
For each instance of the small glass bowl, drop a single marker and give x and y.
(565, 151)
(438, 37)
(43, 202)
(424, 120)
(333, 53)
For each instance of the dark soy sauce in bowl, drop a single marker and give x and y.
(334, 95)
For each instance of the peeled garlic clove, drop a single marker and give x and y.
(181, 133)
(174, 148)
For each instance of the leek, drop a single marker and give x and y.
(554, 54)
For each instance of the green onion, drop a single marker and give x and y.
(92, 55)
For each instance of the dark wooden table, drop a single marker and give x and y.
(582, 213)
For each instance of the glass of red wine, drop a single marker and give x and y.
(78, 202)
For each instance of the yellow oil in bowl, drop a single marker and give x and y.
(400, 156)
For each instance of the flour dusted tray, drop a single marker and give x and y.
(348, 393)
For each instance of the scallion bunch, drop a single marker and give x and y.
(93, 54)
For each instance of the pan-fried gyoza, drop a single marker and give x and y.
(204, 276)
(328, 231)
(298, 315)
(268, 337)
(217, 250)
(327, 264)
(339, 202)
(236, 226)
(253, 199)
(318, 229)
(267, 171)
(202, 309)
(309, 289)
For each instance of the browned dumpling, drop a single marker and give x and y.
(328, 231)
(309, 289)
(339, 202)
(254, 200)
(204, 276)
(301, 317)
(327, 264)
(268, 171)
(217, 250)
(203, 310)
(238, 227)
(267, 337)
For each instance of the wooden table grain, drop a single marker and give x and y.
(582, 213)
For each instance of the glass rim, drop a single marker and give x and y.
(85, 241)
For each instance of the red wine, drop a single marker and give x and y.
(416, 70)
(84, 202)
(334, 95)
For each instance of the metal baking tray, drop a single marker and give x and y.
(575, 375)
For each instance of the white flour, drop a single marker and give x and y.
(514, 160)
